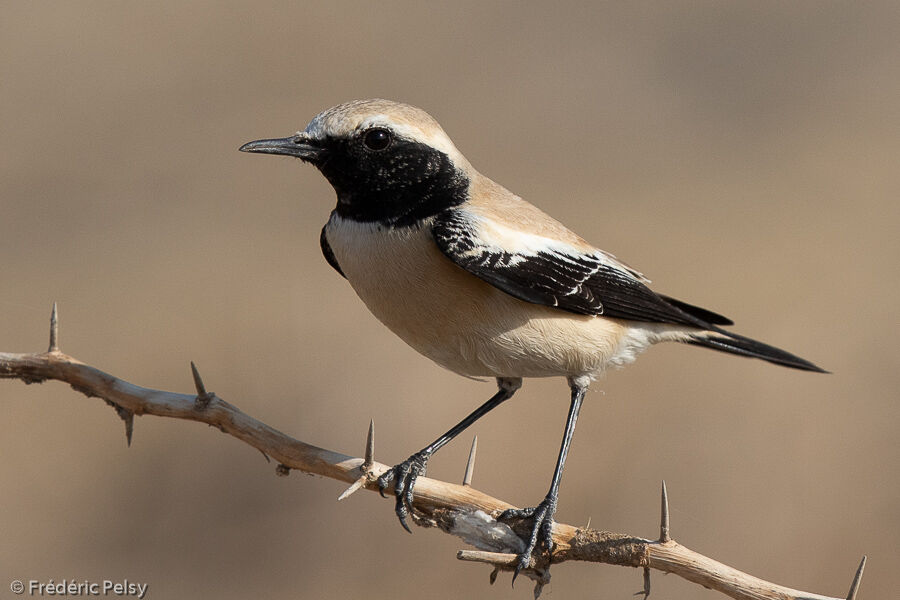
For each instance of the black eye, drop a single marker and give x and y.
(377, 139)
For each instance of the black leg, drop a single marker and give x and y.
(404, 475)
(542, 514)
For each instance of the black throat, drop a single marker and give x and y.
(399, 186)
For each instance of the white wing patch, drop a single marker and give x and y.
(501, 238)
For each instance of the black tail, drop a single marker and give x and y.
(737, 344)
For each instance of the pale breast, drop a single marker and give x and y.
(461, 322)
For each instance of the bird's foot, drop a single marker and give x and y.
(404, 476)
(540, 536)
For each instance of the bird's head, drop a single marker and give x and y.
(388, 162)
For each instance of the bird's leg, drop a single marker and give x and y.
(542, 514)
(404, 475)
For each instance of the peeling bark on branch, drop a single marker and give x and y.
(457, 509)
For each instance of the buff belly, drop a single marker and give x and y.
(463, 323)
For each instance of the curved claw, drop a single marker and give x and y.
(402, 513)
(404, 476)
(541, 530)
(383, 481)
(403, 482)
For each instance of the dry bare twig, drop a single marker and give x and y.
(457, 509)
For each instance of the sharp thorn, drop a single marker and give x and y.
(470, 464)
(854, 587)
(266, 456)
(54, 330)
(646, 591)
(198, 381)
(128, 417)
(366, 466)
(353, 488)
(203, 397)
(588, 526)
(664, 515)
(369, 458)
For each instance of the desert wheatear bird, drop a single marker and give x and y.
(478, 280)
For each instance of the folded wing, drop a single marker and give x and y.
(553, 273)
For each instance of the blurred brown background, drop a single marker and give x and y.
(744, 156)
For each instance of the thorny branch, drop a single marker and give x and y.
(457, 509)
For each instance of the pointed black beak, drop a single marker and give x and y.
(299, 146)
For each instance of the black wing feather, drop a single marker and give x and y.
(584, 284)
(701, 313)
